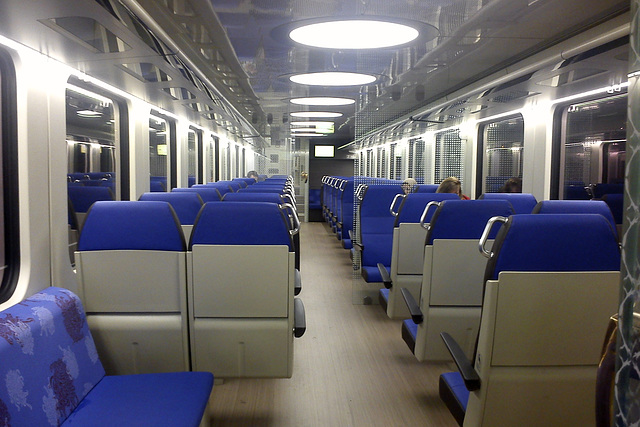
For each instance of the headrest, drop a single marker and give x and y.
(554, 242)
(523, 203)
(376, 199)
(186, 204)
(208, 194)
(243, 196)
(413, 205)
(83, 197)
(576, 207)
(241, 223)
(615, 201)
(465, 219)
(601, 189)
(125, 225)
(427, 188)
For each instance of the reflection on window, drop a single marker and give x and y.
(91, 155)
(158, 153)
(593, 146)
(503, 152)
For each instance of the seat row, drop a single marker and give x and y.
(222, 303)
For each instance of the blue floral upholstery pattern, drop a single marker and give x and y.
(48, 359)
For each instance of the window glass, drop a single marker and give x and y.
(449, 156)
(158, 153)
(593, 146)
(91, 155)
(503, 149)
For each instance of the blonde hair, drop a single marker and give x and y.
(450, 185)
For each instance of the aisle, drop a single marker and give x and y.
(351, 368)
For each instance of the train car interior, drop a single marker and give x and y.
(319, 213)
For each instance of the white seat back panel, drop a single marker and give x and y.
(241, 280)
(131, 281)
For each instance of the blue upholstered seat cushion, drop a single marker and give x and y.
(250, 196)
(413, 205)
(167, 399)
(523, 203)
(554, 242)
(465, 219)
(82, 197)
(125, 225)
(207, 193)
(241, 223)
(576, 207)
(455, 383)
(412, 327)
(185, 204)
(48, 359)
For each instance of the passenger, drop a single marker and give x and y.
(512, 185)
(409, 185)
(252, 174)
(452, 185)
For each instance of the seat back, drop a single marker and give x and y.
(376, 228)
(241, 276)
(207, 193)
(186, 204)
(81, 199)
(451, 290)
(523, 203)
(407, 251)
(131, 273)
(551, 290)
(576, 207)
(49, 359)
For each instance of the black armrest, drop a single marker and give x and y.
(469, 375)
(412, 304)
(299, 321)
(297, 282)
(386, 279)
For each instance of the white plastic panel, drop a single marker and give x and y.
(243, 347)
(241, 281)
(140, 344)
(411, 244)
(131, 281)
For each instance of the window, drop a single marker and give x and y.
(92, 127)
(194, 148)
(159, 153)
(9, 230)
(503, 148)
(449, 156)
(593, 145)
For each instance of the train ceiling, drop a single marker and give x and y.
(228, 61)
(467, 39)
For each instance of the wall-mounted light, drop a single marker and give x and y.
(322, 100)
(333, 78)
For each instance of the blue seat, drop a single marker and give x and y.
(616, 205)
(375, 232)
(49, 356)
(131, 264)
(82, 198)
(314, 199)
(550, 289)
(426, 188)
(407, 250)
(242, 265)
(600, 189)
(450, 293)
(577, 207)
(523, 203)
(185, 204)
(206, 192)
(345, 222)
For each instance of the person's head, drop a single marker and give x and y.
(450, 185)
(512, 185)
(252, 174)
(409, 185)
